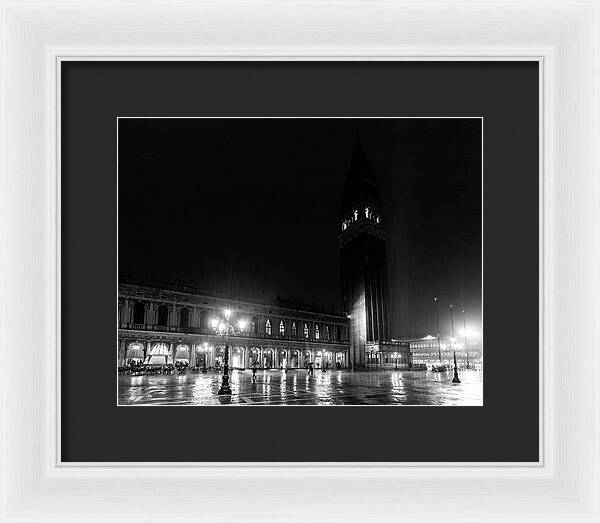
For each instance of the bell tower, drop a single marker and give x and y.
(363, 258)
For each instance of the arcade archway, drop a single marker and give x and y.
(135, 353)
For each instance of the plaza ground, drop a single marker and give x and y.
(297, 387)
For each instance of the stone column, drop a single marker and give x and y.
(122, 352)
(172, 316)
(192, 355)
(126, 312)
(172, 351)
(150, 314)
(147, 347)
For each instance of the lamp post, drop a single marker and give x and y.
(465, 333)
(323, 361)
(396, 359)
(204, 351)
(223, 329)
(437, 324)
(455, 379)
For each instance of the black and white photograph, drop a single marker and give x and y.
(300, 261)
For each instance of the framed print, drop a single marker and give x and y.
(286, 352)
(315, 259)
(248, 216)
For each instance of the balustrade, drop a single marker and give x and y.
(244, 335)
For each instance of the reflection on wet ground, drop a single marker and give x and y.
(296, 387)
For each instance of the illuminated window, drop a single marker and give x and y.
(355, 215)
(254, 325)
(344, 226)
(327, 332)
(317, 332)
(367, 212)
(306, 330)
(281, 328)
(294, 329)
(268, 327)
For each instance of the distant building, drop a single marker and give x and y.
(425, 350)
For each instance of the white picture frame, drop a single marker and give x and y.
(562, 36)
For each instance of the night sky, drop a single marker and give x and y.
(251, 207)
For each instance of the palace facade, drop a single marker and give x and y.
(173, 323)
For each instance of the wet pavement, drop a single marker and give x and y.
(296, 387)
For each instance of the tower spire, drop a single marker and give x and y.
(361, 183)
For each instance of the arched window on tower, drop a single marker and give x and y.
(184, 318)
(281, 327)
(317, 332)
(306, 330)
(139, 313)
(268, 327)
(162, 316)
(254, 325)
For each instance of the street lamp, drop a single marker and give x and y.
(204, 351)
(465, 333)
(323, 361)
(437, 324)
(223, 328)
(455, 379)
(396, 359)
